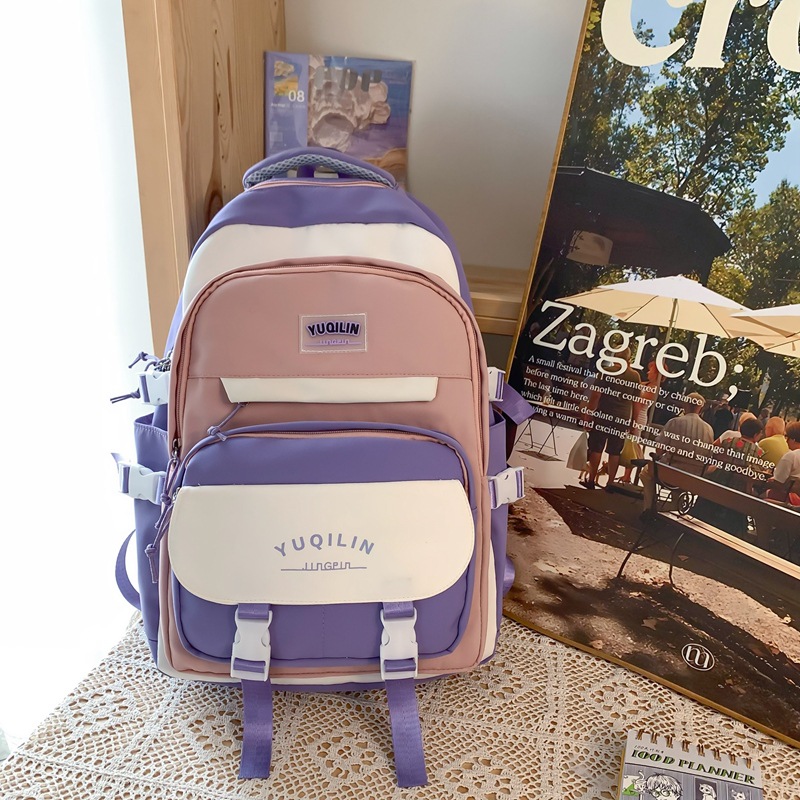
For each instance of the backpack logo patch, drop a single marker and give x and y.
(340, 333)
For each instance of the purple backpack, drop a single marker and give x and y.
(321, 489)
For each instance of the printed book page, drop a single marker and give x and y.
(659, 345)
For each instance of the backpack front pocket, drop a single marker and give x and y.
(326, 524)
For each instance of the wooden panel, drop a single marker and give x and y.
(197, 93)
(158, 156)
(496, 296)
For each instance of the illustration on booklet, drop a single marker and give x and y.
(359, 106)
(659, 343)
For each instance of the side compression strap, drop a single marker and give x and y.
(513, 405)
(399, 669)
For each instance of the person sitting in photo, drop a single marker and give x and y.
(687, 433)
(774, 442)
(741, 459)
(737, 454)
(734, 434)
(787, 470)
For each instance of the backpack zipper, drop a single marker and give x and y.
(178, 468)
(177, 383)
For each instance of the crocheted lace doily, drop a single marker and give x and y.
(541, 721)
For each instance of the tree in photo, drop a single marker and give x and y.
(706, 134)
(599, 131)
(763, 271)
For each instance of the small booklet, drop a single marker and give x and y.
(654, 768)
(358, 106)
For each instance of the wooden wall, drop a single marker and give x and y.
(197, 94)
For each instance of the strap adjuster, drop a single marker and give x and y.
(252, 649)
(507, 487)
(154, 387)
(141, 483)
(399, 651)
(497, 378)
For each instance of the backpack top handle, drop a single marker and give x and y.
(307, 159)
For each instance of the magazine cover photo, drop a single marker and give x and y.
(659, 345)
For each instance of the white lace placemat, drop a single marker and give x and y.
(542, 721)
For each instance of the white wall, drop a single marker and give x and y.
(74, 313)
(490, 84)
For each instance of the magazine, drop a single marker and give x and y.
(659, 346)
(654, 768)
(359, 106)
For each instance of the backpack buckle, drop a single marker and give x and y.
(141, 483)
(154, 387)
(497, 378)
(252, 650)
(506, 487)
(399, 651)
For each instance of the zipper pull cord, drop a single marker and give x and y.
(215, 430)
(142, 357)
(172, 473)
(134, 395)
(159, 365)
(170, 491)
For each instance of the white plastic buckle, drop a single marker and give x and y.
(154, 387)
(497, 378)
(507, 487)
(252, 644)
(399, 643)
(141, 483)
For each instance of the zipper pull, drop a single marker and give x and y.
(164, 364)
(167, 500)
(151, 551)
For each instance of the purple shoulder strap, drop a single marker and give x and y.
(124, 584)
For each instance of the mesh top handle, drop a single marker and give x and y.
(307, 159)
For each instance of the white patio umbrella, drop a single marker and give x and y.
(776, 322)
(670, 302)
(780, 345)
(780, 329)
(788, 347)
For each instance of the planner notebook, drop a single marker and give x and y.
(655, 768)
